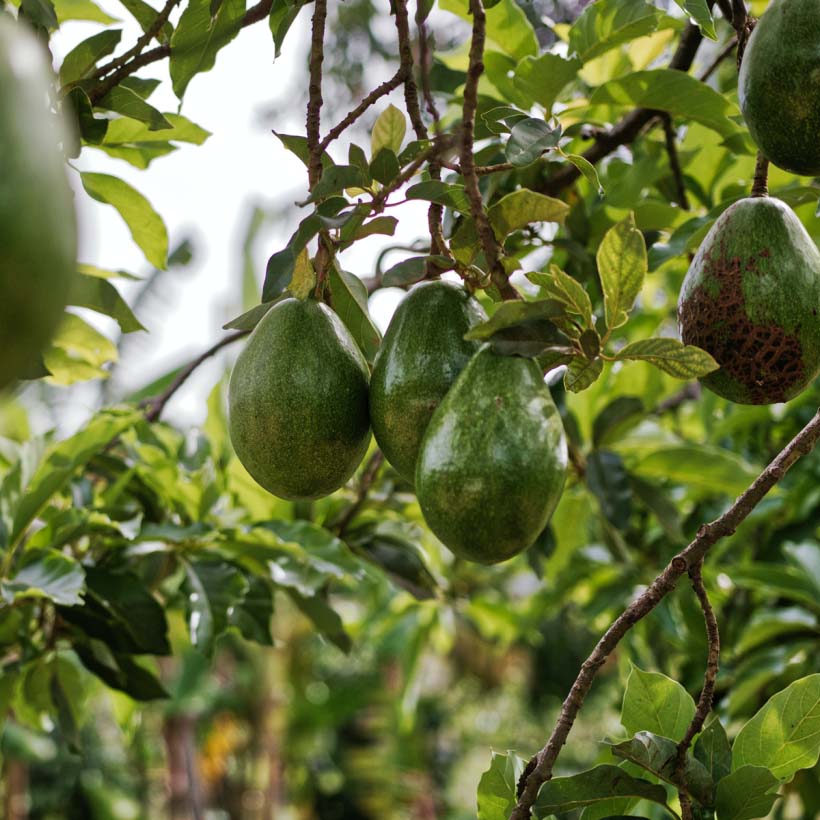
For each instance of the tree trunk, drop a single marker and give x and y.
(15, 798)
(184, 787)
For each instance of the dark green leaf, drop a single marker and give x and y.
(497, 788)
(615, 418)
(325, 619)
(713, 751)
(252, 615)
(349, 296)
(130, 104)
(119, 671)
(146, 15)
(84, 56)
(609, 482)
(385, 166)
(529, 139)
(444, 193)
(101, 296)
(335, 179)
(46, 574)
(581, 373)
(282, 15)
(748, 793)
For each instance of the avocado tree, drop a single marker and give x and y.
(275, 615)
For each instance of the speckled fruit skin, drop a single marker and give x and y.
(493, 460)
(298, 402)
(752, 298)
(422, 354)
(37, 222)
(779, 85)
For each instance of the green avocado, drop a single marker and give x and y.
(493, 460)
(298, 401)
(779, 85)
(37, 222)
(422, 354)
(751, 299)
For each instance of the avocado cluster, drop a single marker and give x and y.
(477, 433)
(37, 222)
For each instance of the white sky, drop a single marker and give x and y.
(206, 192)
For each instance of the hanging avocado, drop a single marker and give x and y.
(779, 85)
(493, 460)
(37, 222)
(422, 354)
(751, 298)
(298, 402)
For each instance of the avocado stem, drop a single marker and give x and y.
(760, 187)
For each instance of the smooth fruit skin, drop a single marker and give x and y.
(37, 221)
(493, 461)
(779, 85)
(422, 354)
(298, 402)
(751, 298)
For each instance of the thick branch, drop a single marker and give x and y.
(314, 107)
(708, 535)
(489, 243)
(706, 693)
(154, 407)
(253, 15)
(365, 483)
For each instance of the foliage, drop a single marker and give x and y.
(143, 569)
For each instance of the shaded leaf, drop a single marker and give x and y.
(119, 671)
(46, 574)
(713, 751)
(748, 793)
(582, 372)
(529, 139)
(83, 57)
(101, 296)
(130, 104)
(349, 296)
(497, 787)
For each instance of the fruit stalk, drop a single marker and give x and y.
(760, 186)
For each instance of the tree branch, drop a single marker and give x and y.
(674, 160)
(489, 243)
(314, 106)
(760, 186)
(155, 406)
(365, 483)
(540, 768)
(706, 693)
(253, 15)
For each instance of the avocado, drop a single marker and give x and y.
(422, 354)
(493, 460)
(751, 299)
(38, 234)
(298, 401)
(779, 85)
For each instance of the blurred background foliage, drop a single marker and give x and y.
(176, 642)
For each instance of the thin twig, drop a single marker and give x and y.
(760, 186)
(722, 55)
(704, 706)
(708, 535)
(489, 243)
(155, 406)
(152, 31)
(674, 160)
(253, 15)
(365, 483)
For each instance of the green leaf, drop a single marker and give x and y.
(657, 755)
(497, 787)
(385, 166)
(101, 296)
(79, 62)
(145, 224)
(213, 588)
(282, 15)
(698, 466)
(119, 671)
(563, 794)
(251, 318)
(609, 482)
(587, 170)
(671, 356)
(40, 13)
(78, 352)
(677, 92)
(388, 131)
(444, 193)
(777, 579)
(252, 615)
(82, 10)
(146, 15)
(748, 793)
(511, 314)
(615, 419)
(63, 459)
(622, 267)
(784, 736)
(199, 37)
(529, 139)
(701, 13)
(606, 24)
(542, 78)
(507, 26)
(408, 271)
(657, 704)
(46, 574)
(130, 104)
(713, 751)
(128, 132)
(562, 287)
(335, 179)
(325, 619)
(349, 296)
(582, 372)
(523, 207)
